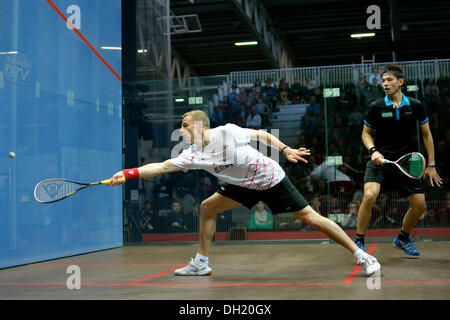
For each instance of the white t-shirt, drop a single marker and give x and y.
(229, 157)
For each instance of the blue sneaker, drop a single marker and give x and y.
(360, 245)
(407, 246)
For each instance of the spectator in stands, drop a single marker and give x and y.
(162, 192)
(355, 123)
(261, 217)
(232, 96)
(235, 106)
(257, 88)
(322, 187)
(283, 91)
(337, 139)
(432, 93)
(362, 85)
(383, 214)
(310, 85)
(217, 117)
(335, 207)
(374, 92)
(313, 107)
(296, 92)
(254, 120)
(228, 112)
(270, 94)
(287, 222)
(147, 217)
(207, 186)
(242, 94)
(316, 203)
(374, 77)
(443, 83)
(351, 217)
(184, 197)
(264, 111)
(176, 219)
(337, 135)
(346, 103)
(307, 125)
(163, 188)
(252, 98)
(240, 117)
(319, 123)
(319, 96)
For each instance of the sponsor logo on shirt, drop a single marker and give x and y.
(222, 167)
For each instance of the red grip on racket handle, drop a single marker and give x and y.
(131, 173)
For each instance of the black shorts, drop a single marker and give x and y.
(281, 198)
(390, 178)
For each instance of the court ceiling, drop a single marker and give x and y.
(314, 33)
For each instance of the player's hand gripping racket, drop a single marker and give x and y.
(53, 190)
(411, 164)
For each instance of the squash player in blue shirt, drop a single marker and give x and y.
(394, 119)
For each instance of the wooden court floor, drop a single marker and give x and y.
(240, 272)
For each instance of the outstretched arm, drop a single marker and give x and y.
(293, 155)
(147, 171)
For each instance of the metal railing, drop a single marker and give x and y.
(342, 74)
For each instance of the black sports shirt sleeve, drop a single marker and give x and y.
(420, 111)
(372, 115)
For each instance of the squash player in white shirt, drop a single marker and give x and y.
(250, 177)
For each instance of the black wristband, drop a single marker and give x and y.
(372, 150)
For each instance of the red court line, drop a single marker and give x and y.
(284, 284)
(356, 269)
(83, 38)
(151, 277)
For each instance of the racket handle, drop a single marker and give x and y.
(108, 181)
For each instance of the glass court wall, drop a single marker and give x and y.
(319, 108)
(61, 114)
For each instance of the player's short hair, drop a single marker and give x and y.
(395, 69)
(198, 115)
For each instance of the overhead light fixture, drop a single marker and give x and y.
(9, 52)
(179, 100)
(111, 48)
(142, 51)
(362, 35)
(246, 43)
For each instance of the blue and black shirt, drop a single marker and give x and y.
(396, 132)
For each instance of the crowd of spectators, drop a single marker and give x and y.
(253, 107)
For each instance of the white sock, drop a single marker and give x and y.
(359, 254)
(201, 258)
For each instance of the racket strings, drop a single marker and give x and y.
(54, 190)
(413, 165)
